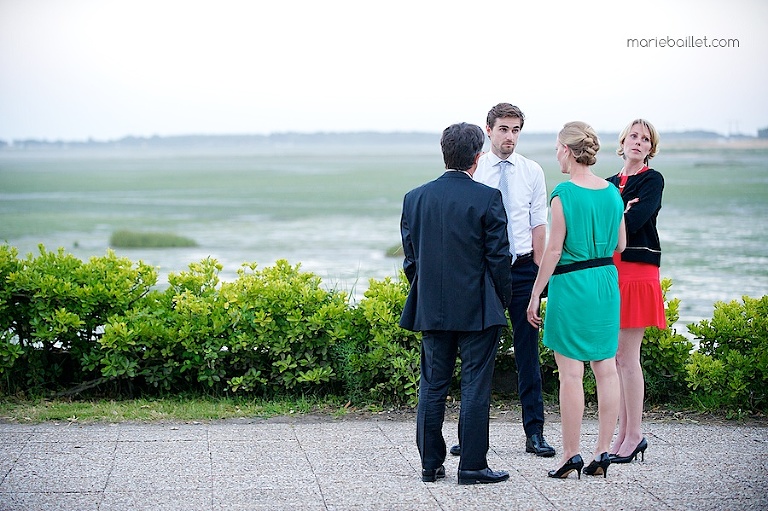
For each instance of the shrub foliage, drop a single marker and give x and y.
(103, 326)
(730, 369)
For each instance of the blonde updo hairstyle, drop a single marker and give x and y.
(651, 130)
(582, 141)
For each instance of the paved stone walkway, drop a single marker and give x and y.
(369, 464)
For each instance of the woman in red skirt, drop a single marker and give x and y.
(642, 302)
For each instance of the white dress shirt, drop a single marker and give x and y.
(528, 193)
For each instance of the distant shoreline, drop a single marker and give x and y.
(671, 139)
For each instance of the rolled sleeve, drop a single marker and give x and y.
(539, 198)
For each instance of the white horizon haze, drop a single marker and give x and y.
(103, 70)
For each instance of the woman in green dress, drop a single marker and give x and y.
(582, 320)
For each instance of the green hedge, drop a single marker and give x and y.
(730, 369)
(103, 327)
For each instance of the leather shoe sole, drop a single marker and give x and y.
(430, 476)
(544, 453)
(484, 476)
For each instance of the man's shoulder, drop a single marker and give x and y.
(525, 161)
(420, 189)
(471, 185)
(450, 178)
(484, 188)
(469, 181)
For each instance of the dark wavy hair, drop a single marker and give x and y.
(461, 143)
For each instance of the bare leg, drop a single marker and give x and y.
(607, 402)
(632, 391)
(622, 430)
(571, 403)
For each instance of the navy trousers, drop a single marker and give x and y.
(438, 360)
(526, 343)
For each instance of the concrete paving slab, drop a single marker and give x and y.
(60, 432)
(161, 500)
(36, 501)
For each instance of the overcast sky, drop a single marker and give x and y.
(105, 69)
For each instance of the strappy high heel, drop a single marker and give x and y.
(599, 467)
(575, 463)
(640, 449)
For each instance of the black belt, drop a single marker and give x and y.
(522, 258)
(582, 265)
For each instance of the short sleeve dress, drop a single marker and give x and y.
(582, 315)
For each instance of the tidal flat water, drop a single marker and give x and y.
(336, 208)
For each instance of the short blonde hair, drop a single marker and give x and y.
(582, 141)
(651, 130)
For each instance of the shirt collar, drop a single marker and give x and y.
(494, 160)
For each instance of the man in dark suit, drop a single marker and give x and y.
(457, 261)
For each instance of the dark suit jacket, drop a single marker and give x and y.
(457, 258)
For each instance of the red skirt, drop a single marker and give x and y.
(642, 302)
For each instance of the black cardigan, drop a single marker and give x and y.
(643, 244)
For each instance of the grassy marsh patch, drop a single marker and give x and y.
(136, 239)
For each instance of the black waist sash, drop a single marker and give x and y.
(582, 265)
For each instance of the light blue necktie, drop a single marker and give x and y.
(507, 200)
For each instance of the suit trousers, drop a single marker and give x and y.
(438, 361)
(526, 342)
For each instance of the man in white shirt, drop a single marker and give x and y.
(525, 200)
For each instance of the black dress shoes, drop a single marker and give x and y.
(535, 443)
(539, 446)
(599, 466)
(575, 463)
(484, 476)
(430, 476)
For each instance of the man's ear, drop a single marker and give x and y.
(471, 170)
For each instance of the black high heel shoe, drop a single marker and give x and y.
(575, 463)
(640, 449)
(596, 468)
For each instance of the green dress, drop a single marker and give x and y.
(582, 315)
